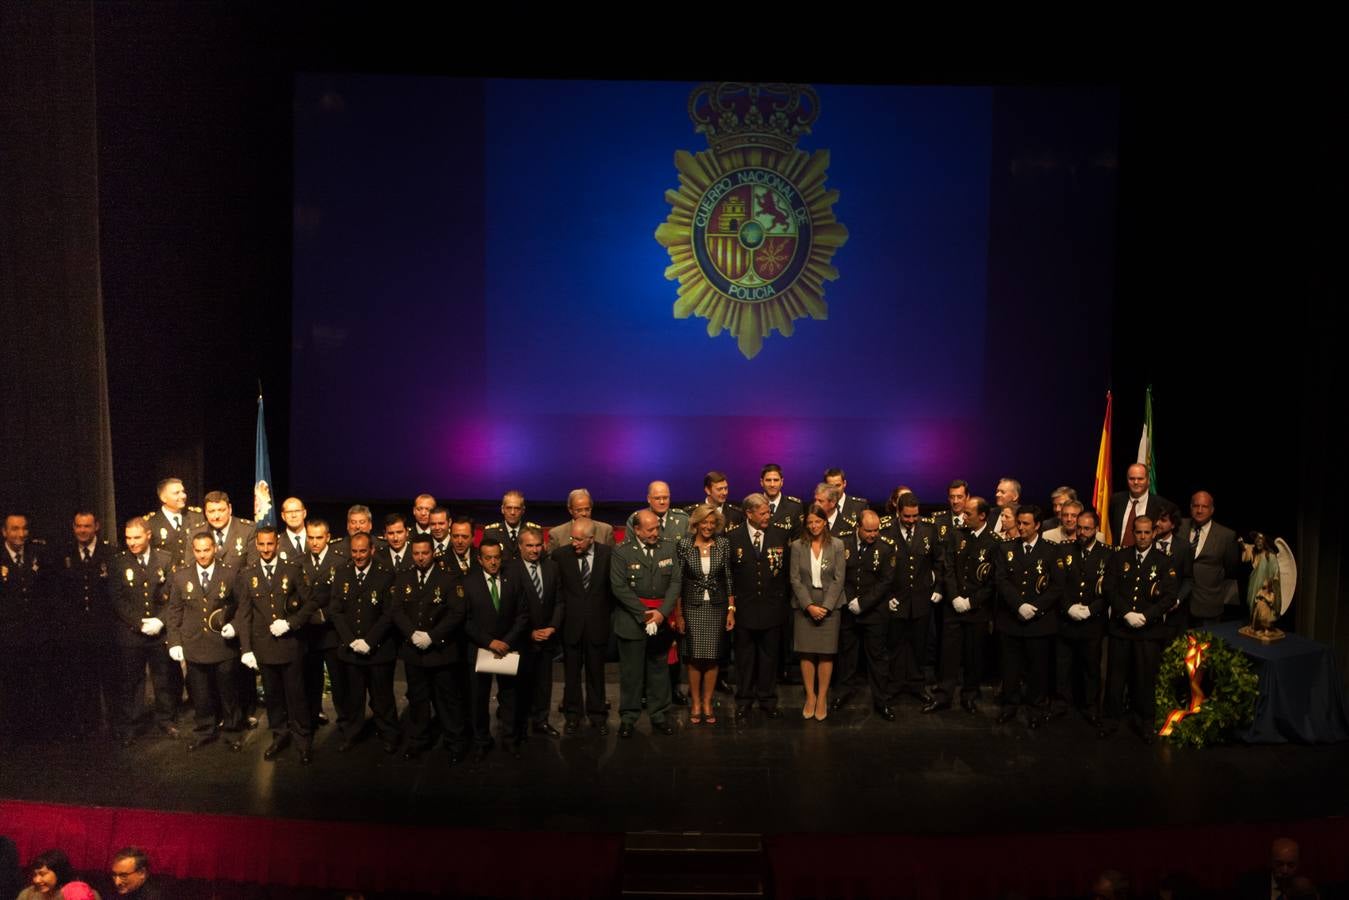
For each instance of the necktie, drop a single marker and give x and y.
(1127, 539)
(908, 536)
(397, 559)
(649, 555)
(421, 578)
(1140, 559)
(440, 549)
(496, 595)
(585, 572)
(202, 578)
(1166, 547)
(145, 561)
(315, 557)
(773, 508)
(662, 525)
(219, 538)
(758, 542)
(1026, 549)
(87, 554)
(268, 570)
(360, 578)
(1194, 535)
(534, 577)
(511, 532)
(177, 522)
(299, 544)
(18, 559)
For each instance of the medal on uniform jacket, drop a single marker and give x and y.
(285, 583)
(1009, 555)
(223, 590)
(238, 545)
(962, 543)
(374, 597)
(459, 591)
(163, 534)
(739, 554)
(102, 570)
(282, 554)
(1039, 567)
(346, 587)
(847, 553)
(408, 590)
(67, 562)
(255, 582)
(188, 589)
(927, 544)
(1041, 583)
(1127, 566)
(435, 596)
(1152, 576)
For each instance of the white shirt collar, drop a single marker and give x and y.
(170, 514)
(981, 530)
(208, 571)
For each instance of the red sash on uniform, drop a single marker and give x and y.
(657, 603)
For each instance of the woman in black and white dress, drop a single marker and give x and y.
(708, 605)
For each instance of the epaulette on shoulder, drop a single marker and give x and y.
(862, 500)
(531, 525)
(42, 541)
(793, 499)
(245, 521)
(734, 526)
(887, 521)
(194, 509)
(730, 505)
(928, 520)
(149, 514)
(889, 540)
(785, 526)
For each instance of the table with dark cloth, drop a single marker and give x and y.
(1300, 698)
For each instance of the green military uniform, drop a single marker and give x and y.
(634, 575)
(674, 526)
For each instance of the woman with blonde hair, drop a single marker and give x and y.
(708, 604)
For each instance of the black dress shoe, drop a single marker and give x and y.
(643, 703)
(545, 728)
(571, 727)
(251, 723)
(968, 704)
(936, 706)
(741, 713)
(625, 731)
(885, 713)
(924, 695)
(235, 743)
(837, 704)
(1093, 720)
(773, 713)
(678, 699)
(722, 687)
(276, 747)
(200, 742)
(603, 729)
(306, 755)
(1008, 714)
(663, 727)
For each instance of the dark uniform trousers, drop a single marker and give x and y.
(287, 706)
(317, 656)
(1078, 665)
(446, 690)
(132, 663)
(536, 683)
(372, 682)
(962, 652)
(213, 688)
(857, 639)
(649, 656)
(1133, 663)
(756, 665)
(1025, 658)
(906, 643)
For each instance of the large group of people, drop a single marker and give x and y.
(207, 599)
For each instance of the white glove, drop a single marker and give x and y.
(176, 654)
(961, 604)
(151, 627)
(360, 646)
(936, 596)
(249, 660)
(894, 604)
(651, 629)
(854, 607)
(228, 631)
(1079, 612)
(421, 640)
(1026, 611)
(1136, 619)
(279, 627)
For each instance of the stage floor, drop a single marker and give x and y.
(947, 773)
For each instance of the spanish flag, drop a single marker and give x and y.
(1100, 496)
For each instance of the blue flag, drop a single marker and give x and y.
(264, 512)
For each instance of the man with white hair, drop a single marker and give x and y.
(579, 506)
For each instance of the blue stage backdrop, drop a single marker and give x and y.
(481, 300)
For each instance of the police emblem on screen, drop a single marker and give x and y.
(751, 232)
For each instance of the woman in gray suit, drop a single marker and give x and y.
(818, 568)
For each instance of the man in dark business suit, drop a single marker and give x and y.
(759, 576)
(275, 603)
(1140, 585)
(914, 590)
(1030, 590)
(201, 605)
(430, 610)
(140, 599)
(542, 584)
(586, 624)
(367, 645)
(970, 595)
(1216, 558)
(1125, 506)
(867, 579)
(496, 623)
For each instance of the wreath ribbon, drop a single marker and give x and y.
(1194, 658)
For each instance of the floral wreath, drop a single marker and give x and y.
(1206, 690)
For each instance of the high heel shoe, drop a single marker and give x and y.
(808, 711)
(821, 709)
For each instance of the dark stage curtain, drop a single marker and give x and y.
(53, 378)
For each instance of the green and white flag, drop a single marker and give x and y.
(1145, 452)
